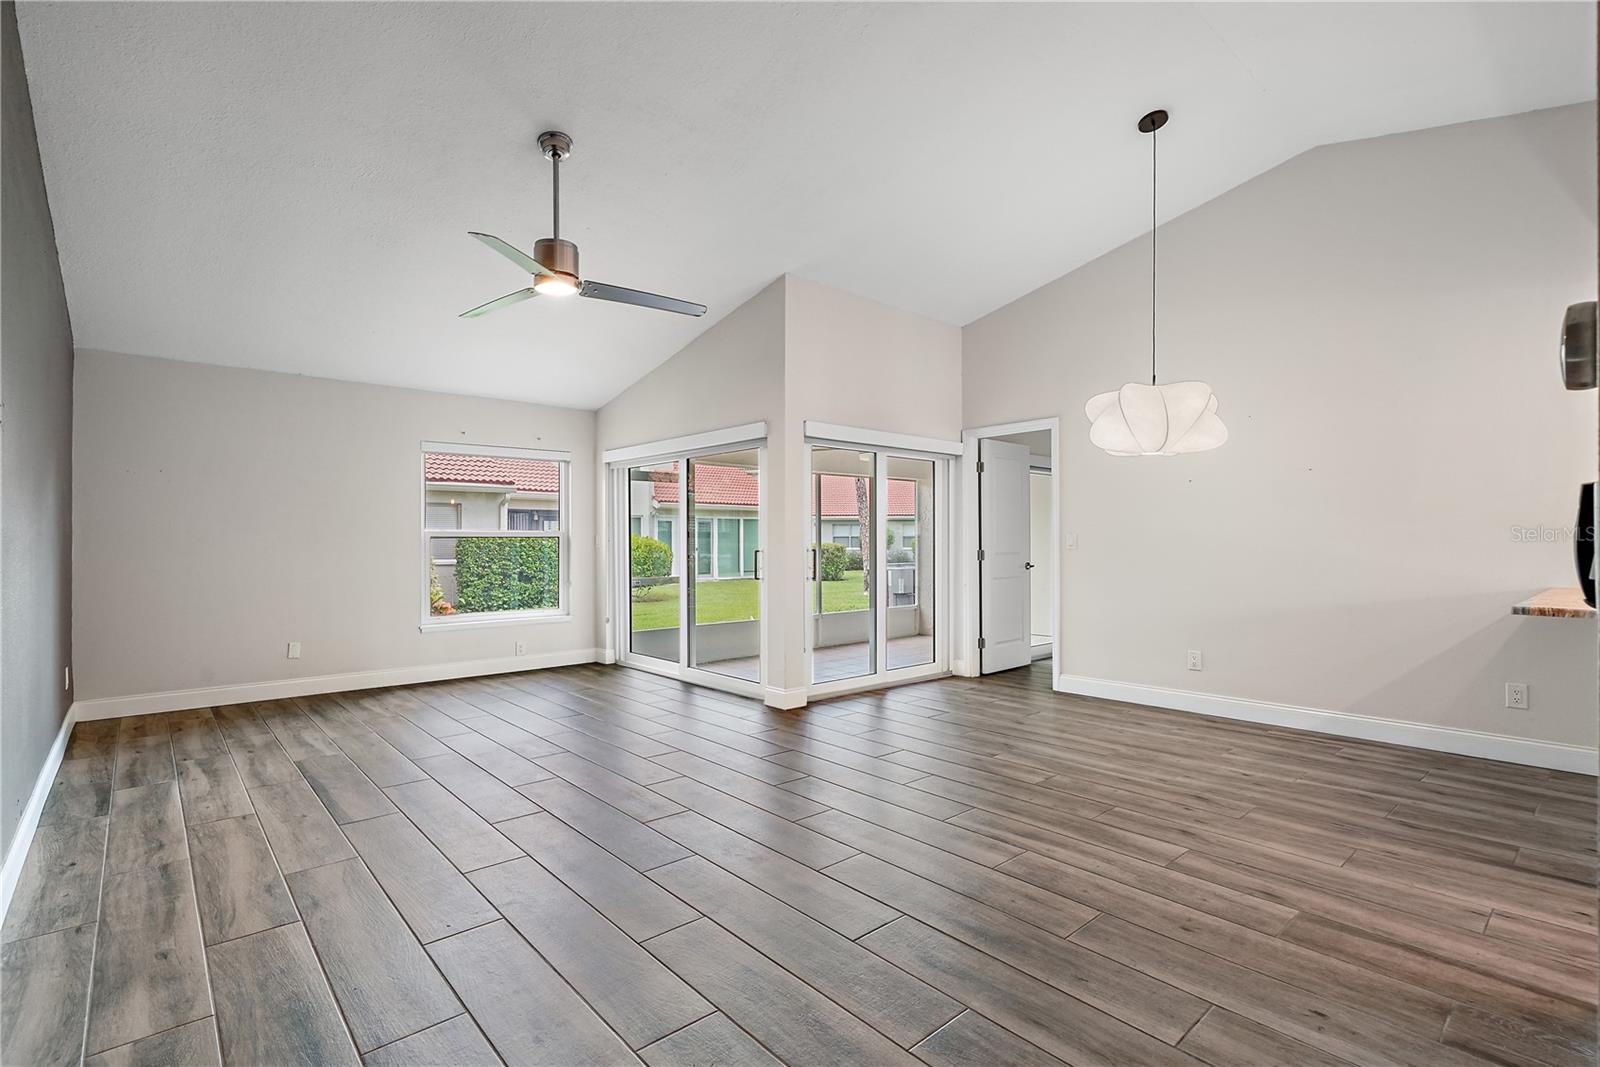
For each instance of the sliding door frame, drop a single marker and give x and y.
(683, 532)
(882, 675)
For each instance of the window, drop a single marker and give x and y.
(727, 548)
(446, 516)
(847, 534)
(505, 554)
(664, 531)
(529, 519)
(752, 541)
(636, 526)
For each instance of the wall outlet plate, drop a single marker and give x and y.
(522, 648)
(1196, 662)
(1517, 695)
(294, 649)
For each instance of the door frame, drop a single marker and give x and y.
(966, 658)
(883, 446)
(681, 451)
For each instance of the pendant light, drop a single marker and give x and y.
(1155, 420)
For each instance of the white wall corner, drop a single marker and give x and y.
(216, 696)
(1574, 758)
(17, 855)
(784, 699)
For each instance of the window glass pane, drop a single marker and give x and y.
(726, 637)
(442, 515)
(653, 599)
(841, 596)
(908, 576)
(727, 548)
(483, 487)
(474, 575)
(477, 575)
(752, 541)
(702, 546)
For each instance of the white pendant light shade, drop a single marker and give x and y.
(1155, 420)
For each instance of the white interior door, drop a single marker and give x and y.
(1004, 581)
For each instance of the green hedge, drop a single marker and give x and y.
(649, 558)
(832, 561)
(508, 573)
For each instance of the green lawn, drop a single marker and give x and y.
(736, 598)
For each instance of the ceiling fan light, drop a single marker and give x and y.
(556, 283)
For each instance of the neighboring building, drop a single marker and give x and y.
(726, 526)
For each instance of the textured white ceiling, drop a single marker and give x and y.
(289, 186)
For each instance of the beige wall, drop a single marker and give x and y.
(855, 362)
(728, 376)
(797, 351)
(1379, 320)
(222, 513)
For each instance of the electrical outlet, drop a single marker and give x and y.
(1517, 695)
(1196, 661)
(294, 649)
(522, 648)
(1072, 541)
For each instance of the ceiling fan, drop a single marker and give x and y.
(554, 263)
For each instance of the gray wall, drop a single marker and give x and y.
(35, 454)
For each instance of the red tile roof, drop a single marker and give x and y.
(737, 487)
(492, 472)
(716, 485)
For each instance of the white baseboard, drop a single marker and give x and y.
(213, 696)
(784, 699)
(23, 838)
(1523, 750)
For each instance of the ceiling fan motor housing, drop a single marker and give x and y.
(557, 255)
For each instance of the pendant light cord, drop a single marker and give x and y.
(1153, 257)
(555, 197)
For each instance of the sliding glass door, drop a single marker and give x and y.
(725, 597)
(655, 591)
(841, 593)
(692, 526)
(874, 522)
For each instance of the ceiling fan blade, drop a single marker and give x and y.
(494, 305)
(602, 291)
(515, 255)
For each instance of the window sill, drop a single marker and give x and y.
(457, 623)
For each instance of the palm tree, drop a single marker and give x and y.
(864, 515)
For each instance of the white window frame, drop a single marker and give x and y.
(563, 611)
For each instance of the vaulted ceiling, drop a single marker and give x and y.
(289, 186)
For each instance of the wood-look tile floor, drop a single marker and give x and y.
(598, 866)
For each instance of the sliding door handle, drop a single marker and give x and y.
(758, 565)
(812, 574)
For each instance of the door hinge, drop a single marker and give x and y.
(980, 466)
(980, 555)
(982, 643)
